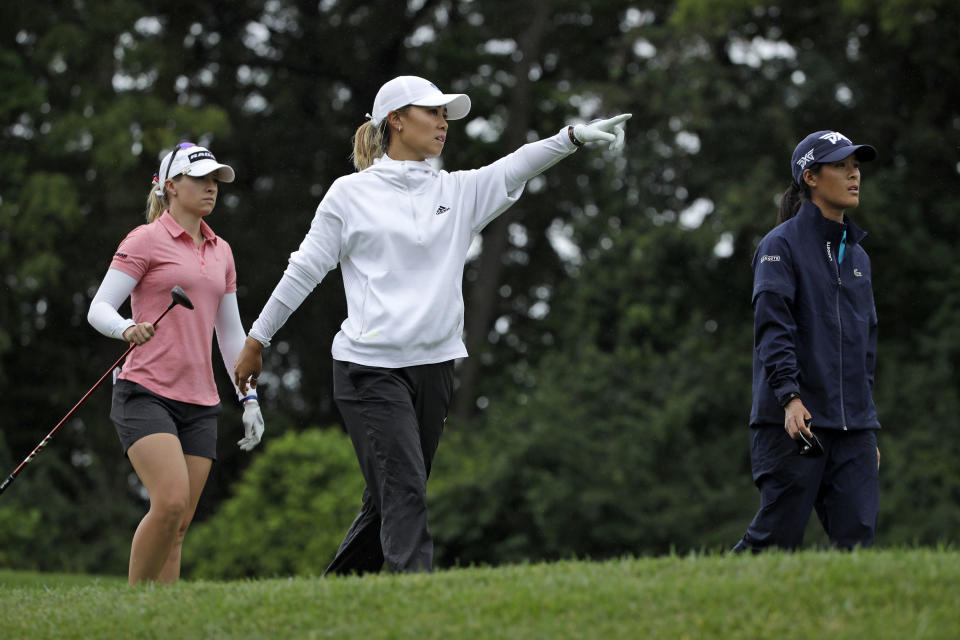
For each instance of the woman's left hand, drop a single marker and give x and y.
(610, 130)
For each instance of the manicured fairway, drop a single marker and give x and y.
(873, 594)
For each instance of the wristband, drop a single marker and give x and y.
(248, 398)
(573, 138)
(787, 398)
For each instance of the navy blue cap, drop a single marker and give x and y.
(826, 146)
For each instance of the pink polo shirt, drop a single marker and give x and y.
(177, 362)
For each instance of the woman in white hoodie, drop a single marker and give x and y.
(400, 231)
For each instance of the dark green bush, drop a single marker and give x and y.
(604, 458)
(287, 514)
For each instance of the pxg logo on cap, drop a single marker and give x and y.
(826, 146)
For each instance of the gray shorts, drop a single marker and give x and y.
(137, 412)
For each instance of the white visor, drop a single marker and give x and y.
(193, 160)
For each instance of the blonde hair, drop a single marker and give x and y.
(371, 142)
(157, 204)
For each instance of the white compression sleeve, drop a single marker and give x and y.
(230, 335)
(103, 316)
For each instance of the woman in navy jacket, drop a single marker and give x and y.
(815, 342)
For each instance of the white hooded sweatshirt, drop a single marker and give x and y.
(400, 232)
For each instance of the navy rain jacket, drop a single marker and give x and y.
(815, 323)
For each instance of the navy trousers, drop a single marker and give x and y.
(395, 418)
(842, 485)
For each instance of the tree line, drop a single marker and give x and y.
(603, 409)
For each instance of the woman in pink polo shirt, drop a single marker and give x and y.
(165, 401)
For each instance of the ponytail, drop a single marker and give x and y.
(790, 202)
(369, 142)
(156, 205)
(794, 196)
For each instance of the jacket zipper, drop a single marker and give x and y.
(413, 209)
(836, 264)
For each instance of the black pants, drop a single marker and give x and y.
(395, 418)
(842, 485)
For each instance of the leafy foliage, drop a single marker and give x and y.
(287, 514)
(610, 325)
(616, 443)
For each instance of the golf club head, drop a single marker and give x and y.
(811, 446)
(179, 297)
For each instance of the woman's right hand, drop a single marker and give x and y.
(249, 363)
(609, 130)
(139, 333)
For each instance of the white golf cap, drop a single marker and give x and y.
(404, 90)
(192, 160)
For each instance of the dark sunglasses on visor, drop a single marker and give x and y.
(176, 149)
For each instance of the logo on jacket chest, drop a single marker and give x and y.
(442, 210)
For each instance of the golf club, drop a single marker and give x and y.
(811, 446)
(179, 298)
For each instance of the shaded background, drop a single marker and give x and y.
(603, 411)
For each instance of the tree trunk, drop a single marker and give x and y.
(483, 293)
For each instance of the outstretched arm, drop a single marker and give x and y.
(494, 188)
(534, 158)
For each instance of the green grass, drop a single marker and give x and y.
(866, 594)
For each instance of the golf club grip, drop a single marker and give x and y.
(3, 487)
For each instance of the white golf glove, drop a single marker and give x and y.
(252, 425)
(610, 130)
